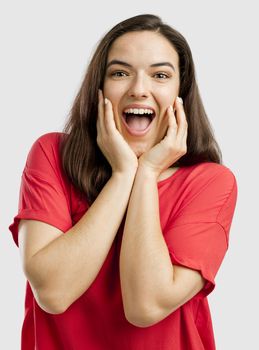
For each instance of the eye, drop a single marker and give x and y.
(162, 75)
(118, 74)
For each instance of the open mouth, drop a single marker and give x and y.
(138, 124)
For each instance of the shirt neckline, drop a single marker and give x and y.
(168, 179)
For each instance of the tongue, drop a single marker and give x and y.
(138, 123)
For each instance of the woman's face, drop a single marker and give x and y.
(148, 76)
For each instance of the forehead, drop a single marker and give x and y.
(143, 46)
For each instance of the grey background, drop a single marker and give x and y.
(45, 48)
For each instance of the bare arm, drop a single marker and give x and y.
(62, 270)
(61, 267)
(152, 287)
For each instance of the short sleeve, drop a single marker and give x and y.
(197, 237)
(42, 193)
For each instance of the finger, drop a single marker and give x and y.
(100, 119)
(181, 119)
(182, 138)
(109, 117)
(98, 114)
(172, 130)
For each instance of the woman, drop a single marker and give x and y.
(146, 206)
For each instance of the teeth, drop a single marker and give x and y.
(138, 111)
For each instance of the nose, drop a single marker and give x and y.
(139, 87)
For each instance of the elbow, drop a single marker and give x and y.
(48, 299)
(50, 304)
(143, 317)
(137, 322)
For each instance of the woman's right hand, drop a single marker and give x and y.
(112, 144)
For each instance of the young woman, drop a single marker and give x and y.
(124, 217)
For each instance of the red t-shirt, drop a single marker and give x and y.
(196, 207)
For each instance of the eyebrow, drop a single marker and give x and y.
(130, 66)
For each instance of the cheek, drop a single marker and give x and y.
(106, 88)
(112, 89)
(165, 97)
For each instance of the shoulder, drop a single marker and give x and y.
(48, 140)
(44, 152)
(206, 183)
(209, 172)
(207, 193)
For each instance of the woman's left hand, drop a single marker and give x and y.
(172, 147)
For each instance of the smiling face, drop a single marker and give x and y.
(138, 80)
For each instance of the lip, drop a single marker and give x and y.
(135, 132)
(142, 132)
(139, 106)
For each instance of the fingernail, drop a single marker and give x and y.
(105, 100)
(180, 100)
(171, 108)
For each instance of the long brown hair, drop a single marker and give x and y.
(82, 160)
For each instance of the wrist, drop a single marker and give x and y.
(125, 175)
(147, 172)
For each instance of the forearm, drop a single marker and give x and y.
(146, 270)
(65, 268)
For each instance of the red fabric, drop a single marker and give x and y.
(196, 209)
